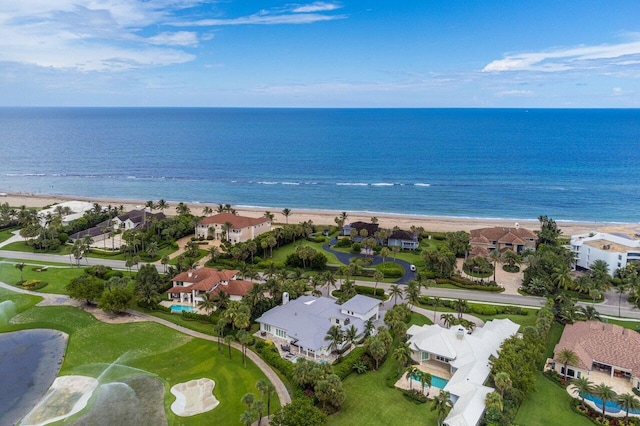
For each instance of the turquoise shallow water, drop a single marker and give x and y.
(436, 381)
(513, 163)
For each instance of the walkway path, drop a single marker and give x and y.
(61, 299)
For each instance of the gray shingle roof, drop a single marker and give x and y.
(360, 304)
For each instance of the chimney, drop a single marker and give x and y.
(285, 298)
(189, 274)
(517, 225)
(460, 333)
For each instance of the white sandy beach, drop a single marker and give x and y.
(320, 217)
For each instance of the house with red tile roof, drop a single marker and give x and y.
(607, 348)
(502, 239)
(242, 228)
(189, 286)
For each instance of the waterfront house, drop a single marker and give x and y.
(403, 239)
(617, 246)
(371, 228)
(516, 239)
(241, 228)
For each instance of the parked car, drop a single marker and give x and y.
(413, 268)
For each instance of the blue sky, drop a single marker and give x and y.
(420, 53)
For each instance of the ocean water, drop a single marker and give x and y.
(506, 163)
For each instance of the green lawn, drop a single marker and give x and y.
(99, 254)
(170, 355)
(6, 233)
(368, 397)
(548, 405)
(201, 253)
(57, 278)
(22, 246)
(280, 254)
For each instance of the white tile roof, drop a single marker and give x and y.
(360, 304)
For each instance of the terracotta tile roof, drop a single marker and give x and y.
(511, 238)
(497, 233)
(479, 239)
(204, 279)
(235, 288)
(238, 222)
(478, 251)
(606, 343)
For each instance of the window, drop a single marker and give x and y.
(266, 327)
(281, 333)
(337, 321)
(442, 359)
(425, 356)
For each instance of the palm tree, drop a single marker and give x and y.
(425, 379)
(441, 405)
(583, 387)
(286, 213)
(410, 373)
(20, 266)
(208, 303)
(150, 205)
(162, 205)
(494, 400)
(621, 289)
(377, 277)
(351, 335)
(182, 209)
(395, 291)
(402, 355)
(269, 215)
(502, 382)
(588, 313)
(267, 389)
(436, 303)
(605, 393)
(412, 292)
(448, 319)
(494, 257)
(628, 402)
(247, 417)
(460, 306)
(243, 338)
(334, 337)
(566, 357)
(562, 277)
(165, 261)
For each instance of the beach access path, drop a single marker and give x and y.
(61, 299)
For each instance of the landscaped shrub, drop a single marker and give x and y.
(356, 248)
(439, 236)
(111, 274)
(266, 264)
(271, 356)
(34, 285)
(391, 269)
(344, 242)
(198, 317)
(415, 396)
(484, 310)
(429, 275)
(470, 285)
(345, 366)
(369, 291)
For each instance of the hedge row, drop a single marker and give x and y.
(369, 291)
(470, 285)
(475, 308)
(391, 270)
(269, 353)
(345, 366)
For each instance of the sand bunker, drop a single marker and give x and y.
(66, 396)
(194, 397)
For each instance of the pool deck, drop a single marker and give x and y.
(619, 385)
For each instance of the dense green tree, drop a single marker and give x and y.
(442, 405)
(115, 299)
(549, 232)
(330, 390)
(458, 242)
(299, 412)
(86, 288)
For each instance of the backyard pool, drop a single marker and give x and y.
(436, 382)
(176, 309)
(610, 406)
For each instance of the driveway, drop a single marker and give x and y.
(345, 258)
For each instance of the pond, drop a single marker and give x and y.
(29, 362)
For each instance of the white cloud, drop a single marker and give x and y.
(92, 35)
(180, 38)
(582, 57)
(263, 19)
(514, 93)
(318, 6)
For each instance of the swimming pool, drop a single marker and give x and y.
(610, 406)
(436, 381)
(176, 309)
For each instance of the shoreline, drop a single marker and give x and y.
(321, 216)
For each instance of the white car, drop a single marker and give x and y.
(413, 268)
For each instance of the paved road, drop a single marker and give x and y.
(609, 307)
(345, 258)
(281, 389)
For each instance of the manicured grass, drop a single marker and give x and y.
(548, 405)
(22, 246)
(6, 233)
(57, 278)
(206, 328)
(528, 320)
(280, 254)
(631, 325)
(201, 253)
(418, 319)
(99, 254)
(172, 356)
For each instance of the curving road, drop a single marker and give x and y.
(345, 258)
